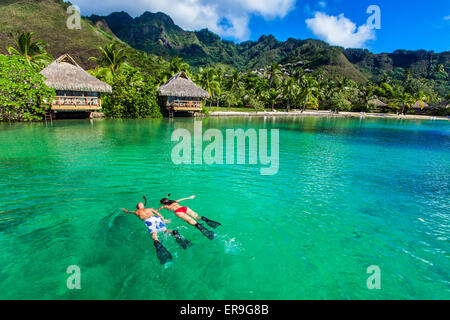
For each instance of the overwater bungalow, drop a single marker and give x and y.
(77, 91)
(181, 94)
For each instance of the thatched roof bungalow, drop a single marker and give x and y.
(378, 103)
(76, 89)
(420, 105)
(380, 106)
(181, 94)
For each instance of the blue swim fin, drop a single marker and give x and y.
(183, 242)
(207, 233)
(163, 255)
(212, 224)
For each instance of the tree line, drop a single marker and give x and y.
(26, 97)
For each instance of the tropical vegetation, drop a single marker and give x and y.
(23, 94)
(288, 86)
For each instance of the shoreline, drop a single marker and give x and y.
(318, 114)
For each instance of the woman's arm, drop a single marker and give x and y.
(191, 197)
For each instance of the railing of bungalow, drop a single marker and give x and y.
(78, 101)
(186, 104)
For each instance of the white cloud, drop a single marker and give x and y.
(447, 18)
(322, 4)
(198, 14)
(340, 31)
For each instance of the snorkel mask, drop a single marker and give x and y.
(165, 200)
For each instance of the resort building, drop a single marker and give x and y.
(380, 106)
(76, 90)
(421, 107)
(180, 94)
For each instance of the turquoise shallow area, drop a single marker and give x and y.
(350, 193)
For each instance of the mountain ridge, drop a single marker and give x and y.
(157, 33)
(158, 36)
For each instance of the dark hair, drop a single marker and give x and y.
(166, 200)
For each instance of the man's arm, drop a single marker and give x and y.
(160, 215)
(191, 197)
(126, 211)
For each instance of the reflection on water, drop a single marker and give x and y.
(349, 194)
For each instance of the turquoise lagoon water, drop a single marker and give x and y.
(349, 193)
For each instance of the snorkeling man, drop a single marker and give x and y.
(189, 215)
(156, 223)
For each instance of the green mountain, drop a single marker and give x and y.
(161, 39)
(47, 19)
(157, 33)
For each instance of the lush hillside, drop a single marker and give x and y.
(47, 19)
(156, 33)
(158, 36)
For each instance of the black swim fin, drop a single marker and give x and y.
(207, 233)
(183, 242)
(212, 224)
(164, 256)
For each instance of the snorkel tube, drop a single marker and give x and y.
(145, 198)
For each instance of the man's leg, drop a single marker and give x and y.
(182, 241)
(162, 253)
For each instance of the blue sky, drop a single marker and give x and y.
(413, 24)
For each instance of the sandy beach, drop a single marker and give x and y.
(318, 114)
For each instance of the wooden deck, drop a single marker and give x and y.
(77, 104)
(185, 105)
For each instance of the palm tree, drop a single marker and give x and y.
(366, 93)
(289, 91)
(234, 85)
(421, 97)
(208, 80)
(272, 97)
(112, 60)
(403, 100)
(309, 93)
(33, 52)
(177, 65)
(274, 74)
(235, 81)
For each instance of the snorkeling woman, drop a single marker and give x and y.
(188, 215)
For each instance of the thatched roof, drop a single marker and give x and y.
(378, 103)
(65, 74)
(418, 105)
(181, 86)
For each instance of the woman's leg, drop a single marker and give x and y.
(186, 218)
(210, 223)
(193, 214)
(207, 233)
